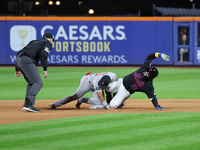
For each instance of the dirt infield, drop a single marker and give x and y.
(11, 112)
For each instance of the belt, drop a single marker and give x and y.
(23, 53)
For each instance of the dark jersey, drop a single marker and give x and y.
(135, 81)
(38, 50)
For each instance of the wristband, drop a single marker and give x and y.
(157, 54)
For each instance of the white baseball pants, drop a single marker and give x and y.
(122, 93)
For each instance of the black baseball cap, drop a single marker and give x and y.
(103, 83)
(48, 35)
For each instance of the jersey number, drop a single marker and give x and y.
(134, 87)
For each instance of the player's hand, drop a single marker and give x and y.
(105, 104)
(17, 73)
(160, 108)
(45, 74)
(165, 57)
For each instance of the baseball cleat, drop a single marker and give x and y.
(78, 104)
(121, 105)
(30, 108)
(52, 106)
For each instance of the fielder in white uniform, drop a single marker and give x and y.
(89, 82)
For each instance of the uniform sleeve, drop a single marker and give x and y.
(151, 94)
(96, 87)
(153, 98)
(154, 101)
(149, 59)
(44, 54)
(16, 69)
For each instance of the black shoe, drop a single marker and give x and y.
(121, 105)
(30, 108)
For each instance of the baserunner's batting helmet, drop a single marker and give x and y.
(152, 72)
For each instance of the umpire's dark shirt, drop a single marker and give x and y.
(38, 50)
(135, 82)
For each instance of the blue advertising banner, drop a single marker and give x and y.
(19, 34)
(76, 42)
(91, 40)
(3, 42)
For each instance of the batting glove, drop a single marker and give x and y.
(160, 108)
(164, 57)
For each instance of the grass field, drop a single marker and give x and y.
(171, 83)
(166, 131)
(152, 131)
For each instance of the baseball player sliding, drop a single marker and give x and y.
(140, 80)
(89, 82)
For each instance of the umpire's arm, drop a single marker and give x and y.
(43, 57)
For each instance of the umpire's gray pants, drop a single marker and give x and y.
(31, 74)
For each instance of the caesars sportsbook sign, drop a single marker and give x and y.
(76, 42)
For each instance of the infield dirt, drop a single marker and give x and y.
(11, 112)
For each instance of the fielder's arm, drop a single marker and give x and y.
(108, 96)
(102, 99)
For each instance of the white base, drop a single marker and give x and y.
(97, 107)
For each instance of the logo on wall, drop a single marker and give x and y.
(20, 35)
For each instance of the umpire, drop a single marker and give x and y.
(26, 63)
